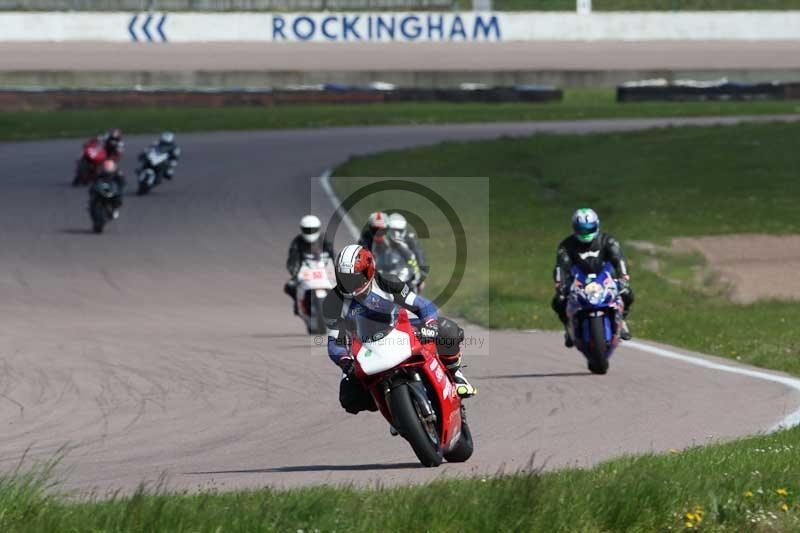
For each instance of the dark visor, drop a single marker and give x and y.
(309, 231)
(351, 282)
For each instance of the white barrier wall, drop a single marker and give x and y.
(403, 27)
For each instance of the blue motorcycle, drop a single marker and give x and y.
(594, 309)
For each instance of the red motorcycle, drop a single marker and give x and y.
(90, 161)
(414, 392)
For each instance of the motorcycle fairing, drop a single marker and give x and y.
(388, 352)
(421, 368)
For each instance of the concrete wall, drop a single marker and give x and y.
(403, 27)
(426, 79)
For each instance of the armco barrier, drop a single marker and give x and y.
(56, 99)
(398, 27)
(689, 90)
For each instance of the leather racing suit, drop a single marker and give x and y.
(589, 257)
(379, 304)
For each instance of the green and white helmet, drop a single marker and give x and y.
(585, 224)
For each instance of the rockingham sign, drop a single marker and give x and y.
(386, 27)
(186, 27)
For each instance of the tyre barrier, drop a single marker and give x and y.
(690, 90)
(21, 99)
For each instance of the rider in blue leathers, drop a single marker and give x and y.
(589, 248)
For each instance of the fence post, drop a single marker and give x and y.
(584, 7)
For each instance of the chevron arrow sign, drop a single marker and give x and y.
(148, 27)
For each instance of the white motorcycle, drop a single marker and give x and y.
(314, 281)
(155, 165)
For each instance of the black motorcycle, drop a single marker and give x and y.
(396, 260)
(104, 203)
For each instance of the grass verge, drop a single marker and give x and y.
(577, 104)
(648, 186)
(745, 485)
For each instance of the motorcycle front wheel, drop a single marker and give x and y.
(319, 317)
(409, 423)
(97, 211)
(143, 188)
(464, 447)
(81, 175)
(598, 363)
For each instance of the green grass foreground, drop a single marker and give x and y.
(750, 485)
(649, 186)
(577, 104)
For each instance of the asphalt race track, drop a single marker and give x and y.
(167, 345)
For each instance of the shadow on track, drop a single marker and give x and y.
(76, 231)
(534, 376)
(314, 468)
(281, 336)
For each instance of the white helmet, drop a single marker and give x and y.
(398, 226)
(310, 228)
(377, 221)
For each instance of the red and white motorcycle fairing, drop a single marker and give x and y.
(313, 284)
(398, 359)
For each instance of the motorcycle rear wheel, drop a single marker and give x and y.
(411, 427)
(598, 364)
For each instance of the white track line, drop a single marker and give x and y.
(325, 182)
(790, 420)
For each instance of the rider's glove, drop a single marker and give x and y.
(624, 283)
(429, 331)
(347, 364)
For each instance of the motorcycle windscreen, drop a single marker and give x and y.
(381, 355)
(376, 317)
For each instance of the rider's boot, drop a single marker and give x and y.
(463, 387)
(568, 338)
(625, 332)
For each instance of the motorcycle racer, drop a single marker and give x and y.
(589, 249)
(166, 145)
(406, 241)
(375, 230)
(309, 241)
(110, 173)
(113, 144)
(361, 292)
